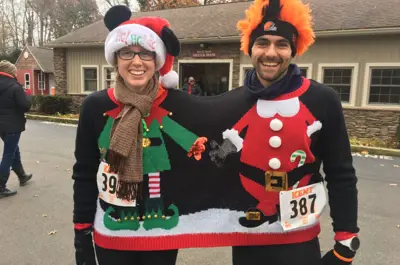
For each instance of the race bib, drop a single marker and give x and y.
(302, 207)
(107, 185)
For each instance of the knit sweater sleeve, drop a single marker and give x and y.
(338, 168)
(87, 157)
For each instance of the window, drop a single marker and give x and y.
(384, 86)
(304, 72)
(340, 80)
(306, 69)
(108, 76)
(41, 79)
(244, 69)
(27, 81)
(90, 79)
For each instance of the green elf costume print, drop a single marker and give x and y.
(155, 161)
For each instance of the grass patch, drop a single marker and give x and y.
(66, 116)
(392, 143)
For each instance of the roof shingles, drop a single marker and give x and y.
(44, 57)
(220, 20)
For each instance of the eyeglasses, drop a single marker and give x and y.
(129, 55)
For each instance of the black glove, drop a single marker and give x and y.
(218, 152)
(84, 250)
(331, 259)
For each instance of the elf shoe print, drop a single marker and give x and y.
(154, 219)
(125, 221)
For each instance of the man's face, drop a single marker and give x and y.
(191, 82)
(271, 56)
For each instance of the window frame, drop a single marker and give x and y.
(243, 68)
(105, 67)
(367, 85)
(83, 67)
(309, 67)
(29, 77)
(41, 74)
(354, 78)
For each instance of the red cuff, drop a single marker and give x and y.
(339, 236)
(82, 226)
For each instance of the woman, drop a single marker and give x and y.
(119, 140)
(13, 104)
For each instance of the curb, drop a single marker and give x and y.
(51, 119)
(354, 148)
(376, 150)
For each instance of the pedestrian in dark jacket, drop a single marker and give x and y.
(14, 102)
(192, 88)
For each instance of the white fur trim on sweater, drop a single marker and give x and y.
(316, 126)
(134, 34)
(286, 108)
(170, 80)
(234, 137)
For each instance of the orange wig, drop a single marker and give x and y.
(293, 11)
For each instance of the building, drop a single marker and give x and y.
(357, 52)
(35, 70)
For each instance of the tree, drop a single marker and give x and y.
(11, 56)
(150, 5)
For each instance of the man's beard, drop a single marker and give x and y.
(279, 75)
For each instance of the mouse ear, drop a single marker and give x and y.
(116, 15)
(171, 41)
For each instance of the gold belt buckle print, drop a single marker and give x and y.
(276, 181)
(253, 216)
(146, 142)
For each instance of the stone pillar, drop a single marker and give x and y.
(60, 70)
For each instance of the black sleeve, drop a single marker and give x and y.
(22, 99)
(338, 167)
(87, 157)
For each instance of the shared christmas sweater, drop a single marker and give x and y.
(257, 183)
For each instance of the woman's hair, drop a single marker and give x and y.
(293, 12)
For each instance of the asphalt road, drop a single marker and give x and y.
(45, 206)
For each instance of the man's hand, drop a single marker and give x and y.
(84, 250)
(340, 255)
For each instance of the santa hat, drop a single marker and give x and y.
(290, 19)
(152, 33)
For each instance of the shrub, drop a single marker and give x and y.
(52, 104)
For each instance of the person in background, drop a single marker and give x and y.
(192, 88)
(28, 91)
(14, 102)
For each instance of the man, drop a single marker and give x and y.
(191, 87)
(14, 102)
(295, 125)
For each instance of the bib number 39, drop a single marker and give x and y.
(302, 207)
(107, 185)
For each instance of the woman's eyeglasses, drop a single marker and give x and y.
(129, 55)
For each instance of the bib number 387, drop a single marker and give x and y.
(107, 185)
(302, 207)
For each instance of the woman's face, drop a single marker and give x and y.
(136, 69)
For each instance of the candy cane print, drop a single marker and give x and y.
(296, 154)
(293, 158)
